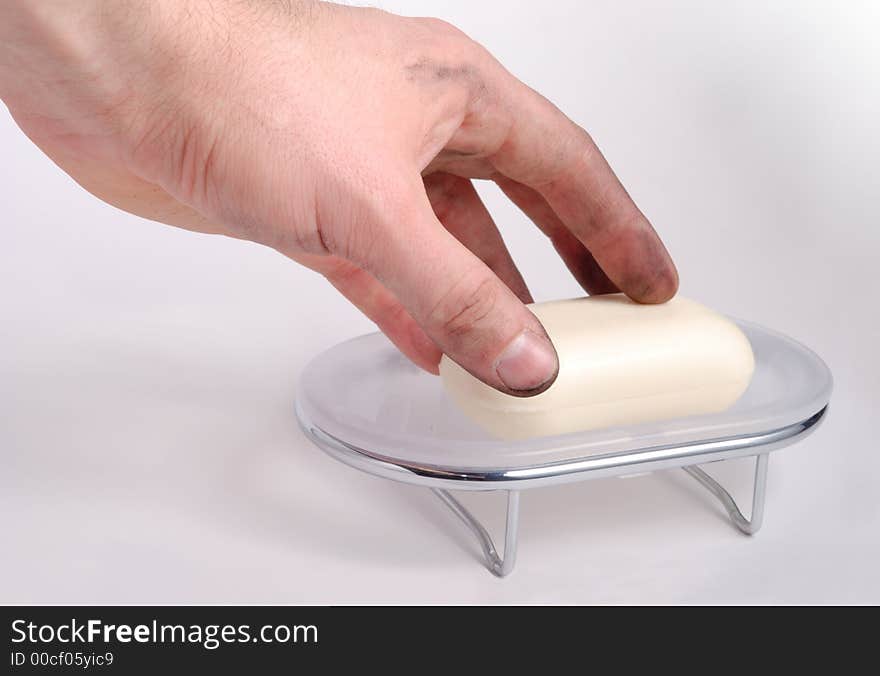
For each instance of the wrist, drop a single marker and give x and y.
(64, 60)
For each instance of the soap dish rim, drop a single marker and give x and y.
(642, 458)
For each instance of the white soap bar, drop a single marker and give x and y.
(620, 363)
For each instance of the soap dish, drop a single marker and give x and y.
(366, 405)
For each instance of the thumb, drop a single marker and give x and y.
(460, 303)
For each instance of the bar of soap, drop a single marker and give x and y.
(620, 363)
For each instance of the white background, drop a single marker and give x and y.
(148, 448)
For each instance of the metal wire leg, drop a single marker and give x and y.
(502, 565)
(747, 526)
(497, 565)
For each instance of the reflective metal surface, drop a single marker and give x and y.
(636, 461)
(497, 565)
(748, 526)
(581, 465)
(502, 566)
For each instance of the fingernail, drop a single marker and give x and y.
(527, 363)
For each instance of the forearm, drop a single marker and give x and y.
(72, 59)
(76, 76)
(91, 82)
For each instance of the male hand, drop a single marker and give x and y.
(346, 139)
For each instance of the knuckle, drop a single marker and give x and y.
(441, 27)
(439, 51)
(466, 307)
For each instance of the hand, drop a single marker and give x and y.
(346, 139)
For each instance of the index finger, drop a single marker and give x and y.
(548, 152)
